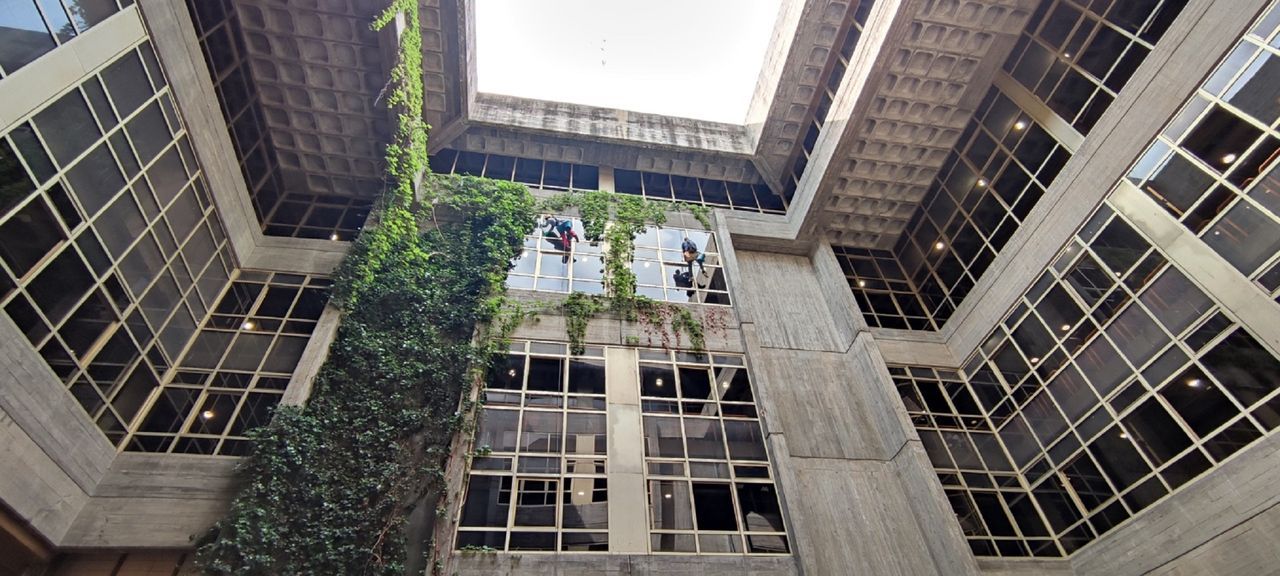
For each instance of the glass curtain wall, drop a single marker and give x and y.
(237, 369)
(539, 478)
(110, 250)
(1075, 58)
(1116, 380)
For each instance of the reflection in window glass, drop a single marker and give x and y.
(549, 264)
(238, 367)
(1177, 376)
(543, 431)
(706, 459)
(679, 265)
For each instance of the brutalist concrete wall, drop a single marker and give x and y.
(860, 495)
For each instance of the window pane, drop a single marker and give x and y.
(670, 507)
(1245, 236)
(57, 288)
(68, 127)
(663, 438)
(713, 504)
(488, 500)
(28, 236)
(498, 430)
(96, 179)
(15, 185)
(1155, 431)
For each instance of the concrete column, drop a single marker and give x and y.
(1060, 129)
(628, 506)
(859, 494)
(313, 357)
(174, 37)
(53, 455)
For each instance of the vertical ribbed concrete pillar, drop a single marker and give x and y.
(628, 526)
(860, 495)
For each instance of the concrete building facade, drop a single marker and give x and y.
(991, 287)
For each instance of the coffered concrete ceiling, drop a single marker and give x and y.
(319, 70)
(912, 84)
(901, 110)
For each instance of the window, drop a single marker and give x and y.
(539, 479)
(111, 250)
(665, 272)
(1213, 167)
(710, 487)
(547, 265)
(541, 443)
(235, 372)
(660, 265)
(1146, 383)
(1076, 55)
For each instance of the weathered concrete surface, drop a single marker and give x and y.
(154, 501)
(1224, 514)
(52, 454)
(859, 494)
(504, 564)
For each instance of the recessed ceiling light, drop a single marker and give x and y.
(939, 245)
(724, 384)
(248, 325)
(511, 372)
(862, 283)
(1035, 359)
(1229, 158)
(581, 493)
(1065, 327)
(207, 415)
(1195, 382)
(658, 382)
(666, 495)
(982, 182)
(1019, 125)
(1123, 435)
(333, 236)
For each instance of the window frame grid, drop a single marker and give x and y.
(190, 299)
(528, 351)
(674, 362)
(712, 268)
(252, 325)
(1173, 143)
(1045, 465)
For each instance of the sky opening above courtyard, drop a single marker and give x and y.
(687, 58)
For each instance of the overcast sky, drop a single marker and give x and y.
(690, 58)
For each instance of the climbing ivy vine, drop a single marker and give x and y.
(616, 220)
(329, 489)
(333, 488)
